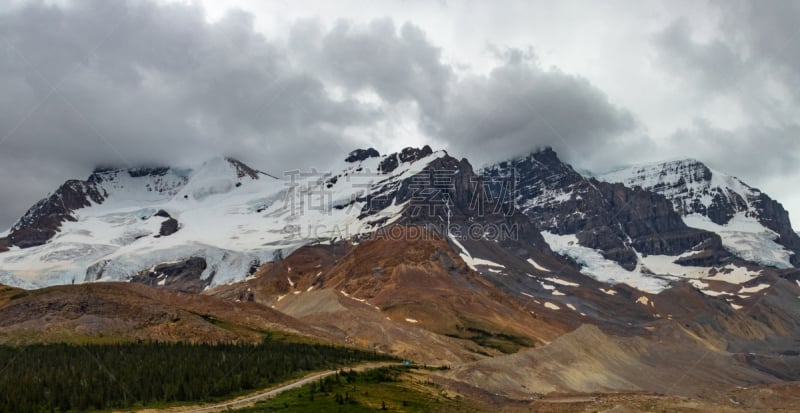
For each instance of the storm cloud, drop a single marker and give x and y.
(118, 83)
(520, 107)
(751, 62)
(90, 82)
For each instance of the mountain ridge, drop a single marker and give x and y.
(710, 199)
(505, 273)
(626, 225)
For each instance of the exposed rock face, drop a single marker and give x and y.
(772, 215)
(695, 189)
(447, 197)
(406, 155)
(141, 172)
(687, 184)
(170, 224)
(44, 219)
(361, 155)
(184, 275)
(414, 154)
(612, 218)
(168, 227)
(243, 170)
(3, 244)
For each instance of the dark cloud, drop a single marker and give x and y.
(131, 83)
(752, 59)
(713, 64)
(519, 107)
(755, 150)
(127, 83)
(398, 64)
(767, 34)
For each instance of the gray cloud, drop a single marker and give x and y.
(398, 64)
(753, 61)
(131, 83)
(96, 82)
(397, 67)
(713, 64)
(755, 150)
(519, 107)
(767, 34)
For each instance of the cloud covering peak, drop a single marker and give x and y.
(91, 82)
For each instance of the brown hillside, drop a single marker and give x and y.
(410, 295)
(122, 311)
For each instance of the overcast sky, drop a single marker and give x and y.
(294, 84)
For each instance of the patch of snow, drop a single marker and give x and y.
(745, 237)
(734, 275)
(712, 293)
(608, 291)
(561, 282)
(594, 264)
(551, 306)
(754, 289)
(665, 265)
(703, 287)
(547, 197)
(537, 266)
(411, 320)
(571, 307)
(473, 263)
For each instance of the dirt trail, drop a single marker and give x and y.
(251, 399)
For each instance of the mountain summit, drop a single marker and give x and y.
(752, 225)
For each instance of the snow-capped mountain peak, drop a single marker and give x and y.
(692, 186)
(751, 224)
(120, 222)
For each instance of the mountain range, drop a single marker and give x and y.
(526, 276)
